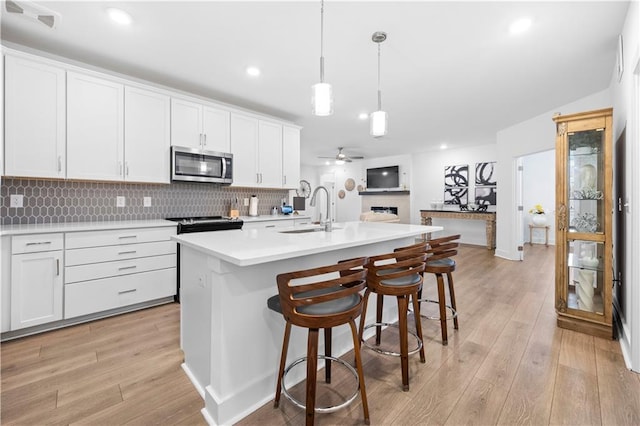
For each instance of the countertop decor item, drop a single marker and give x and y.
(349, 184)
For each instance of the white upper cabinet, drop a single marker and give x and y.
(215, 128)
(244, 143)
(270, 154)
(34, 119)
(290, 157)
(146, 136)
(265, 154)
(200, 126)
(95, 128)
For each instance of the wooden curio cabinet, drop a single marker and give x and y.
(583, 222)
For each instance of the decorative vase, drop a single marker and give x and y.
(585, 290)
(539, 219)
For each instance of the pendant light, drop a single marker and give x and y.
(321, 93)
(379, 117)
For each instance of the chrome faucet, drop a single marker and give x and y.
(327, 223)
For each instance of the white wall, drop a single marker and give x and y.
(427, 184)
(529, 137)
(538, 187)
(626, 112)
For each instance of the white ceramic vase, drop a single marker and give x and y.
(539, 219)
(585, 290)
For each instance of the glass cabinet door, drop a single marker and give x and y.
(586, 181)
(586, 276)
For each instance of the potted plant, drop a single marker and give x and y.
(538, 216)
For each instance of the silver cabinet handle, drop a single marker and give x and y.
(39, 243)
(257, 177)
(127, 252)
(59, 163)
(284, 179)
(270, 226)
(205, 139)
(127, 291)
(57, 267)
(120, 168)
(201, 140)
(127, 236)
(126, 168)
(124, 268)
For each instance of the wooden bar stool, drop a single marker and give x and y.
(396, 274)
(323, 297)
(440, 263)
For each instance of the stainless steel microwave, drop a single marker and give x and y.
(195, 165)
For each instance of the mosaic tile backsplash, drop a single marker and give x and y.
(51, 201)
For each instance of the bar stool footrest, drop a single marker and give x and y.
(382, 351)
(454, 313)
(329, 409)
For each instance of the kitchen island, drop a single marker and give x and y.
(230, 339)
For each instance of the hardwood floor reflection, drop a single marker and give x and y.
(508, 364)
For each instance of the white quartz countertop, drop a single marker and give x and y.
(246, 247)
(268, 217)
(47, 228)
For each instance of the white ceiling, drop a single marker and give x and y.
(451, 73)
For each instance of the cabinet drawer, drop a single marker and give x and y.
(84, 256)
(116, 237)
(36, 243)
(101, 295)
(96, 271)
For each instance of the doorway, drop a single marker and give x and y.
(537, 176)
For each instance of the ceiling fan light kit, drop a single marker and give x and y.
(379, 119)
(321, 93)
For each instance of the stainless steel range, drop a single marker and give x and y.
(202, 224)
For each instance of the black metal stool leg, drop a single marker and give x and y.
(327, 352)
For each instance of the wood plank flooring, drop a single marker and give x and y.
(508, 364)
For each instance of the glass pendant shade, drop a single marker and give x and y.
(322, 99)
(379, 124)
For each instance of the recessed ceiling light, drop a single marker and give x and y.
(443, 146)
(119, 16)
(253, 71)
(327, 163)
(520, 26)
(363, 116)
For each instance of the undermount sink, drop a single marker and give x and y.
(305, 230)
(301, 231)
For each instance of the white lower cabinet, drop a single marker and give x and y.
(36, 280)
(88, 297)
(113, 269)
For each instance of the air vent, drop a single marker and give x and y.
(33, 11)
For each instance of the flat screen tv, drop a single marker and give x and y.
(383, 178)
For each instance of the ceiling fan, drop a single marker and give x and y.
(342, 158)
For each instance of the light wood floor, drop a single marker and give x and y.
(508, 364)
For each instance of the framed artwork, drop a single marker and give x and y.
(486, 174)
(486, 196)
(456, 195)
(456, 176)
